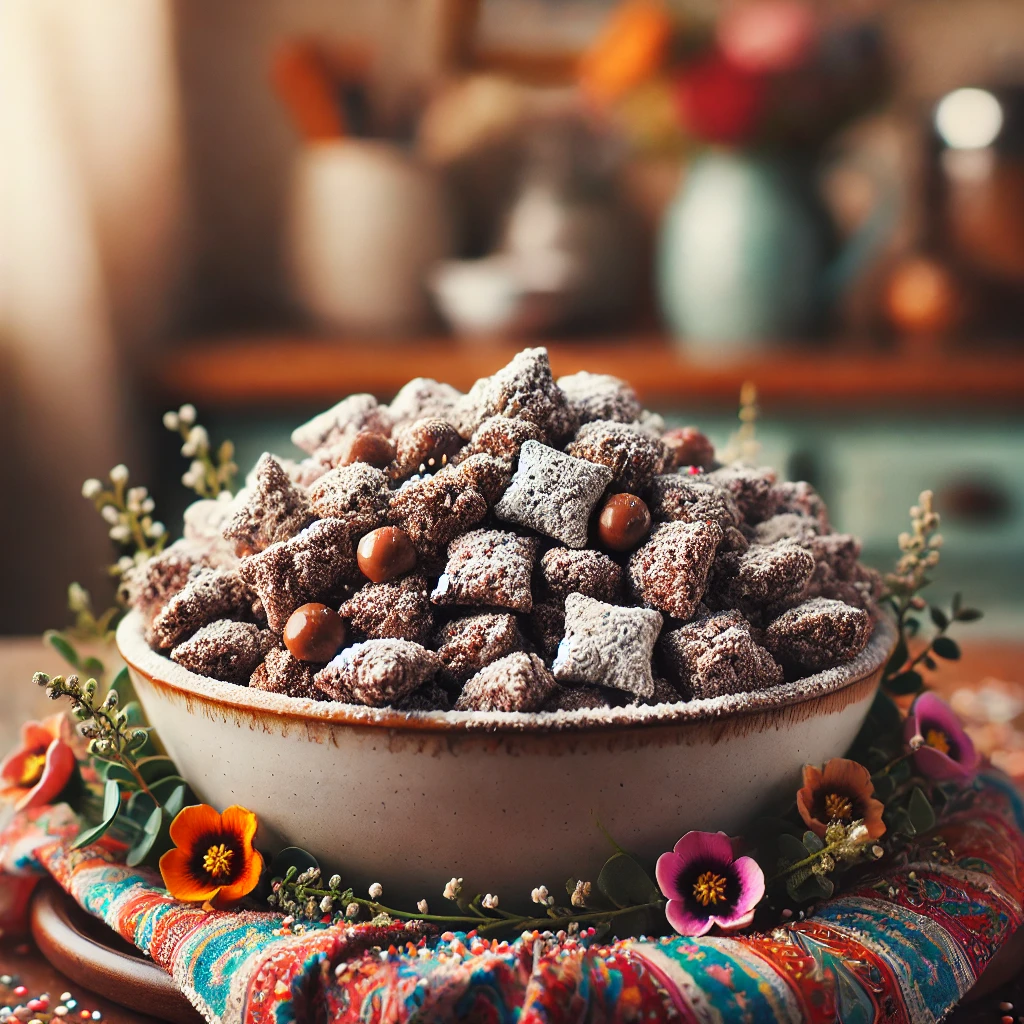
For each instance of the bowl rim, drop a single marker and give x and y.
(167, 675)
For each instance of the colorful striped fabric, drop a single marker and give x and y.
(902, 946)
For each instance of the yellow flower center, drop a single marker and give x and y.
(709, 888)
(938, 739)
(217, 862)
(32, 769)
(838, 807)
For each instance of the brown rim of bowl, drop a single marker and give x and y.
(170, 677)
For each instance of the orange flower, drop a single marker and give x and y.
(213, 859)
(37, 772)
(844, 793)
(628, 51)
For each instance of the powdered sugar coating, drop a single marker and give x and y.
(524, 389)
(349, 416)
(435, 510)
(356, 494)
(315, 565)
(469, 644)
(224, 650)
(716, 655)
(281, 673)
(571, 570)
(800, 497)
(817, 634)
(517, 682)
(607, 645)
(399, 609)
(275, 510)
(553, 493)
(149, 586)
(633, 456)
(425, 445)
(670, 571)
(209, 595)
(488, 567)
(762, 575)
(599, 396)
(421, 397)
(377, 672)
(752, 489)
(502, 438)
(679, 497)
(490, 476)
(546, 625)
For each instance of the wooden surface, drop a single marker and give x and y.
(294, 369)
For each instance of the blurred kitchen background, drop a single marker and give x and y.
(260, 206)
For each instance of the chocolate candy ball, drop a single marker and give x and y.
(314, 632)
(385, 553)
(372, 448)
(624, 521)
(690, 447)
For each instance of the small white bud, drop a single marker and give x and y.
(148, 505)
(171, 420)
(120, 533)
(453, 889)
(490, 901)
(334, 882)
(423, 907)
(119, 474)
(110, 515)
(92, 488)
(916, 741)
(326, 905)
(352, 911)
(376, 891)
(156, 530)
(125, 562)
(198, 437)
(78, 598)
(540, 894)
(858, 834)
(187, 414)
(136, 496)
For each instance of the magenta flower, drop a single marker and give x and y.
(706, 885)
(946, 752)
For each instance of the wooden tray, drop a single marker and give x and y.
(97, 958)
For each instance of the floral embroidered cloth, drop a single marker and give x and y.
(901, 945)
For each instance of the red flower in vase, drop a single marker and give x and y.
(719, 102)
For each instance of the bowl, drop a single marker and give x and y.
(508, 801)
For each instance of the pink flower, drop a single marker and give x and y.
(946, 753)
(41, 767)
(769, 36)
(707, 885)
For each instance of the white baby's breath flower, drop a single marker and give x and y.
(580, 894)
(199, 438)
(187, 414)
(156, 530)
(120, 533)
(334, 882)
(540, 895)
(376, 891)
(453, 889)
(119, 474)
(352, 911)
(125, 562)
(135, 497)
(859, 833)
(423, 907)
(171, 420)
(92, 488)
(78, 598)
(490, 901)
(326, 905)
(110, 515)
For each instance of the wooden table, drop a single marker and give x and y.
(19, 658)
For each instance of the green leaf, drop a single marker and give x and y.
(174, 803)
(912, 626)
(570, 886)
(905, 682)
(930, 662)
(92, 666)
(900, 772)
(111, 807)
(140, 806)
(154, 841)
(939, 617)
(812, 842)
(898, 820)
(884, 787)
(945, 647)
(62, 646)
(969, 615)
(162, 788)
(125, 689)
(153, 768)
(920, 811)
(815, 887)
(623, 881)
(790, 850)
(957, 599)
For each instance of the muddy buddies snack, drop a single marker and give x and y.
(532, 546)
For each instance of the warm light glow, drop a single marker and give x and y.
(969, 119)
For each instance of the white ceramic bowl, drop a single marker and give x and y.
(509, 801)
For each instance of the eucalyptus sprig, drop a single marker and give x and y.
(206, 475)
(142, 790)
(623, 889)
(920, 553)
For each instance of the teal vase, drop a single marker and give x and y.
(742, 252)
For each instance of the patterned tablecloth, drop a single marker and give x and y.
(901, 945)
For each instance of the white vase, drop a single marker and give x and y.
(367, 224)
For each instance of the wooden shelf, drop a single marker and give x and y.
(288, 370)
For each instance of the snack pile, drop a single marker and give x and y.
(533, 545)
